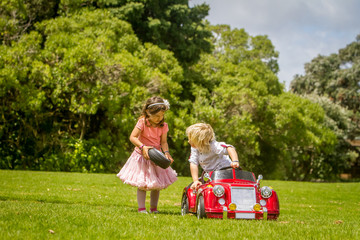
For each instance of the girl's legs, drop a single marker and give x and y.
(141, 197)
(154, 199)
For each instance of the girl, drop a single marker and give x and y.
(150, 131)
(206, 151)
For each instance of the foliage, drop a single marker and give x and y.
(302, 140)
(171, 25)
(276, 133)
(236, 46)
(83, 84)
(339, 120)
(333, 82)
(73, 80)
(168, 24)
(18, 17)
(336, 77)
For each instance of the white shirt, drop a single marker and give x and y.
(217, 158)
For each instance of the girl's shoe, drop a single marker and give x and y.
(154, 211)
(143, 211)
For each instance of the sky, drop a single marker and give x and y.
(300, 30)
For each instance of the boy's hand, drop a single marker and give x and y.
(235, 164)
(195, 185)
(145, 152)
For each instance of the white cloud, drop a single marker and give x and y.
(300, 30)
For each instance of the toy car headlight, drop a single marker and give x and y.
(266, 192)
(218, 190)
(263, 202)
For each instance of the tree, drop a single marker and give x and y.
(235, 89)
(171, 25)
(72, 87)
(337, 77)
(71, 91)
(19, 17)
(68, 81)
(339, 120)
(237, 45)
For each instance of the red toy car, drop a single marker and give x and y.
(231, 193)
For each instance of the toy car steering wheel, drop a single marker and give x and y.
(226, 168)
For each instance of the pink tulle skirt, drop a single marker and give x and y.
(144, 174)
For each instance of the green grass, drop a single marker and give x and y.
(48, 205)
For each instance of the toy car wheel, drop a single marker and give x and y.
(184, 205)
(159, 158)
(201, 208)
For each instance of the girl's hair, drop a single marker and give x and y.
(200, 135)
(152, 107)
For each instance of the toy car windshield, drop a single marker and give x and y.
(228, 174)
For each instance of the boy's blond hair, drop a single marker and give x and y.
(200, 135)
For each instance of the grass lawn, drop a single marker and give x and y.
(54, 205)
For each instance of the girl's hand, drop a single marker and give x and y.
(195, 185)
(235, 164)
(168, 156)
(145, 152)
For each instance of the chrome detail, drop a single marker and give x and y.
(225, 213)
(206, 177)
(266, 192)
(198, 214)
(221, 201)
(242, 215)
(260, 177)
(183, 213)
(243, 197)
(218, 190)
(265, 213)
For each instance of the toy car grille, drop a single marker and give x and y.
(243, 197)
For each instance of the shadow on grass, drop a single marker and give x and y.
(130, 208)
(161, 212)
(62, 201)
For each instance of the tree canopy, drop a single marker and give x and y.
(334, 82)
(72, 83)
(170, 25)
(73, 80)
(337, 77)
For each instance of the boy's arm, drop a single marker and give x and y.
(195, 176)
(234, 157)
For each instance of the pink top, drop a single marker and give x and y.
(150, 136)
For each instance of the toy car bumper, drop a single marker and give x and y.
(228, 214)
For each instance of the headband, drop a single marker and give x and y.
(166, 103)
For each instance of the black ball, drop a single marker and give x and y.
(159, 158)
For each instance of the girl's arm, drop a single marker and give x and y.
(134, 138)
(234, 157)
(165, 147)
